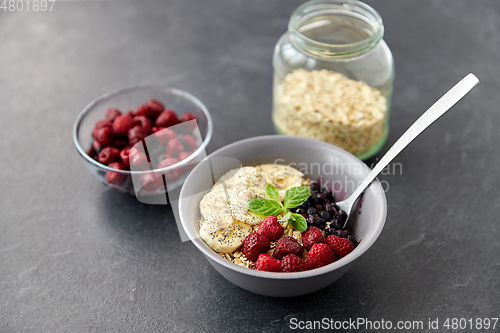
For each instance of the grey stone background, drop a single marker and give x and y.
(78, 257)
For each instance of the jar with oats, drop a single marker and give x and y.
(333, 76)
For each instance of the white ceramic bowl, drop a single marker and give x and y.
(316, 159)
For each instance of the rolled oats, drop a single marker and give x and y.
(328, 106)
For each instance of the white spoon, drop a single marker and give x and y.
(432, 114)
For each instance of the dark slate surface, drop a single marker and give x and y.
(78, 257)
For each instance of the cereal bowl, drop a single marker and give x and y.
(131, 98)
(315, 159)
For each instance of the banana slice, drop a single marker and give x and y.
(215, 209)
(219, 229)
(282, 177)
(240, 196)
(225, 178)
(225, 240)
(246, 175)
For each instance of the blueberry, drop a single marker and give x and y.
(313, 220)
(327, 201)
(330, 208)
(300, 210)
(322, 223)
(343, 215)
(311, 211)
(337, 224)
(353, 240)
(318, 222)
(306, 205)
(341, 233)
(313, 199)
(315, 187)
(322, 197)
(336, 217)
(324, 214)
(329, 232)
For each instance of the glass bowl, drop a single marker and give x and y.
(129, 99)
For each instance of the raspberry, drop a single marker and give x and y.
(167, 161)
(267, 263)
(122, 124)
(130, 113)
(151, 181)
(174, 147)
(124, 155)
(91, 151)
(319, 256)
(190, 141)
(312, 236)
(188, 128)
(136, 134)
(287, 245)
(166, 119)
(156, 129)
(144, 110)
(118, 143)
(138, 160)
(144, 122)
(255, 244)
(117, 165)
(104, 136)
(174, 174)
(164, 135)
(186, 116)
(184, 154)
(108, 155)
(340, 246)
(100, 124)
(97, 147)
(292, 263)
(112, 113)
(271, 228)
(155, 107)
(115, 177)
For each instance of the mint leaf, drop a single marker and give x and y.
(272, 192)
(296, 196)
(299, 222)
(264, 207)
(286, 217)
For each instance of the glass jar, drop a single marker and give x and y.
(333, 76)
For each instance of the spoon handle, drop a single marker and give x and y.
(432, 114)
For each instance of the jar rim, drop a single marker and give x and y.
(353, 8)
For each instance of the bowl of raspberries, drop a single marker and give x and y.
(285, 252)
(143, 139)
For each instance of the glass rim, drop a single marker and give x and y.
(356, 8)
